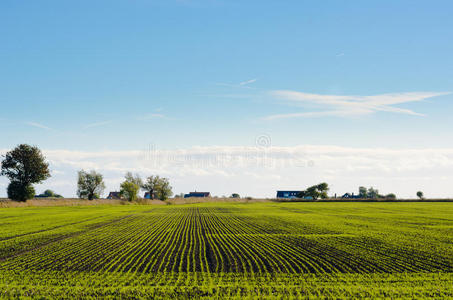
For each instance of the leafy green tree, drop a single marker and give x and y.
(90, 185)
(373, 193)
(312, 192)
(316, 191)
(151, 185)
(49, 194)
(390, 196)
(323, 188)
(19, 192)
(131, 186)
(24, 165)
(129, 190)
(363, 192)
(164, 189)
(158, 186)
(420, 195)
(134, 178)
(235, 195)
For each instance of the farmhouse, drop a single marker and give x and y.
(288, 194)
(148, 195)
(198, 195)
(114, 195)
(350, 196)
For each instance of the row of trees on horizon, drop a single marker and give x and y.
(25, 165)
(90, 185)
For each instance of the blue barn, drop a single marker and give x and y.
(197, 195)
(288, 194)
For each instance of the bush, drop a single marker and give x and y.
(129, 190)
(49, 194)
(390, 196)
(18, 192)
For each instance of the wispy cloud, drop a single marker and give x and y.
(339, 54)
(97, 124)
(350, 105)
(38, 125)
(242, 84)
(247, 82)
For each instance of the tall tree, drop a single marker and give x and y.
(151, 185)
(157, 187)
(129, 190)
(316, 191)
(323, 188)
(373, 193)
(130, 187)
(164, 190)
(24, 165)
(420, 195)
(363, 192)
(90, 185)
(136, 179)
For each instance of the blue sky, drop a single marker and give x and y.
(99, 76)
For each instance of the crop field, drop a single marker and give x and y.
(228, 250)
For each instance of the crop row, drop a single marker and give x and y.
(207, 240)
(70, 285)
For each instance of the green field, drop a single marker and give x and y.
(219, 250)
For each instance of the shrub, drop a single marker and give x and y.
(129, 190)
(18, 192)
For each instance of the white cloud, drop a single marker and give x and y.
(247, 82)
(97, 124)
(38, 125)
(242, 84)
(350, 105)
(260, 171)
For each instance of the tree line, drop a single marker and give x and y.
(90, 185)
(25, 165)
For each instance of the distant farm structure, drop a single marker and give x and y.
(198, 195)
(148, 195)
(288, 194)
(350, 196)
(114, 195)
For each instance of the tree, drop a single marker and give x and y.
(164, 190)
(19, 192)
(134, 178)
(129, 190)
(312, 192)
(151, 185)
(372, 193)
(363, 192)
(420, 195)
(316, 191)
(323, 188)
(24, 165)
(390, 196)
(131, 186)
(235, 195)
(49, 194)
(158, 186)
(90, 185)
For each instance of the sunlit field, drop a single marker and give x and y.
(207, 250)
